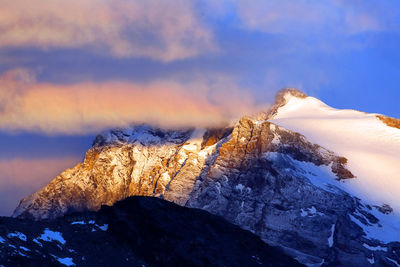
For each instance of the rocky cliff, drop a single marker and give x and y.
(257, 175)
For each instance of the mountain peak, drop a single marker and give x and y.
(290, 91)
(282, 98)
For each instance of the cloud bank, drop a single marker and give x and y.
(161, 30)
(88, 107)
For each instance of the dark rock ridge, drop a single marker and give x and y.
(259, 176)
(138, 231)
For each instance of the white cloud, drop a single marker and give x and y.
(315, 16)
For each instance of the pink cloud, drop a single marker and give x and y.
(92, 106)
(162, 30)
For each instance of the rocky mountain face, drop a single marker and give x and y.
(137, 231)
(257, 175)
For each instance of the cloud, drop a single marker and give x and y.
(161, 30)
(88, 107)
(20, 177)
(314, 16)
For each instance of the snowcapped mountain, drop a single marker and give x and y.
(371, 147)
(318, 182)
(370, 143)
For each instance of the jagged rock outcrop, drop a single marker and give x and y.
(392, 122)
(136, 161)
(138, 231)
(148, 161)
(266, 179)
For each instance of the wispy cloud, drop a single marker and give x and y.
(88, 107)
(314, 16)
(161, 30)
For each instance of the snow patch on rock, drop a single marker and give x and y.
(311, 212)
(239, 187)
(51, 236)
(78, 222)
(103, 227)
(375, 248)
(393, 261)
(385, 230)
(330, 238)
(24, 248)
(19, 235)
(35, 240)
(65, 261)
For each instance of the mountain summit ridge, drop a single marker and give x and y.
(263, 177)
(371, 145)
(281, 100)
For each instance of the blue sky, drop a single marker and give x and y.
(67, 73)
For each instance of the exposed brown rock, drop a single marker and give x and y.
(392, 122)
(212, 136)
(113, 169)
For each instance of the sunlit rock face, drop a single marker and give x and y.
(257, 175)
(121, 163)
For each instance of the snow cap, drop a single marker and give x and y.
(282, 98)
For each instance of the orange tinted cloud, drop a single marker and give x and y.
(162, 30)
(21, 177)
(91, 107)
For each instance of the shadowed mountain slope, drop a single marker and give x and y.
(138, 231)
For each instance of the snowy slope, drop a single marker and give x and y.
(371, 147)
